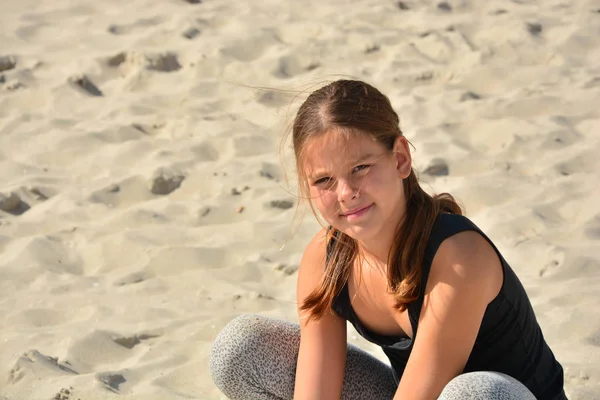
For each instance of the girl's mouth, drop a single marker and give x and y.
(357, 212)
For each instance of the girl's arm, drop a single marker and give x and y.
(322, 356)
(466, 275)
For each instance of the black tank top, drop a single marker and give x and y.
(509, 339)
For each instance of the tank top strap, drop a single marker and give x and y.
(445, 226)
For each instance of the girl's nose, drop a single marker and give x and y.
(346, 191)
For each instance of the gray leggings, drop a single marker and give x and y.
(254, 357)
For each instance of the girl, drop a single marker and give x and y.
(406, 269)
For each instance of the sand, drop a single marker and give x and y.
(143, 204)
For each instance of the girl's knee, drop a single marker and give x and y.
(246, 326)
(247, 349)
(241, 339)
(236, 338)
(485, 385)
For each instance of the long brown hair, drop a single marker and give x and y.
(357, 107)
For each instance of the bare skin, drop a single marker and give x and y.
(466, 275)
(322, 354)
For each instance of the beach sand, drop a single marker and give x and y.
(143, 204)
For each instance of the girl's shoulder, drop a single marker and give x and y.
(318, 243)
(464, 255)
(314, 256)
(451, 230)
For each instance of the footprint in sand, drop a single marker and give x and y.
(7, 63)
(191, 33)
(288, 67)
(432, 49)
(549, 268)
(559, 139)
(444, 6)
(117, 134)
(250, 49)
(402, 5)
(111, 380)
(437, 167)
(586, 162)
(139, 24)
(36, 365)
(162, 62)
(205, 152)
(65, 394)
(592, 83)
(129, 342)
(107, 195)
(467, 96)
(594, 338)
(548, 214)
(534, 28)
(40, 317)
(133, 278)
(270, 171)
(254, 145)
(214, 215)
(46, 253)
(592, 228)
(274, 99)
(129, 191)
(291, 66)
(167, 62)
(280, 204)
(148, 129)
(580, 266)
(100, 348)
(83, 84)
(40, 193)
(12, 204)
(165, 181)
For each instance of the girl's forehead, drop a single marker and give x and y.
(338, 148)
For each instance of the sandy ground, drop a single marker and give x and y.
(143, 204)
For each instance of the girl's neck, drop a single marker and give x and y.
(367, 261)
(377, 251)
(380, 246)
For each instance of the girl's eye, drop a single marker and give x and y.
(360, 168)
(322, 181)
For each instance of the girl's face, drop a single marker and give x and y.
(356, 183)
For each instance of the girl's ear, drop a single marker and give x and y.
(403, 158)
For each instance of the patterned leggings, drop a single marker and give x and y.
(254, 357)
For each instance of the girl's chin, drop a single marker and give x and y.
(356, 232)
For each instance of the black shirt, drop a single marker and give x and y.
(509, 341)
